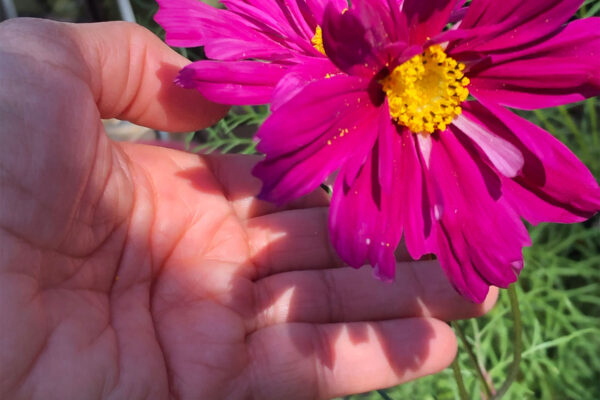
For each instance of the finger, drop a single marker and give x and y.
(129, 71)
(291, 240)
(304, 361)
(241, 187)
(135, 74)
(296, 239)
(420, 289)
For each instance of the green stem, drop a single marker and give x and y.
(462, 391)
(473, 357)
(384, 395)
(518, 344)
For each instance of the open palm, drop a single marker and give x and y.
(132, 271)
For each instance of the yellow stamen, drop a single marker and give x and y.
(425, 92)
(317, 40)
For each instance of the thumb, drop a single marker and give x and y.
(132, 74)
(129, 70)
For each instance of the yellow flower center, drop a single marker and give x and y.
(425, 92)
(317, 40)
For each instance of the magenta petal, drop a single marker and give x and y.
(478, 233)
(400, 176)
(387, 158)
(298, 76)
(317, 8)
(233, 82)
(427, 18)
(226, 35)
(417, 206)
(515, 22)
(363, 220)
(337, 122)
(563, 69)
(192, 23)
(282, 21)
(311, 112)
(553, 186)
(184, 22)
(506, 157)
(233, 49)
(355, 40)
(283, 17)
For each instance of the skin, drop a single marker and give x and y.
(129, 271)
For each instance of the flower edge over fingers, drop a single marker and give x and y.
(383, 98)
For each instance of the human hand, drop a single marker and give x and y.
(129, 271)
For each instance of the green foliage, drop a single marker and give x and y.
(232, 134)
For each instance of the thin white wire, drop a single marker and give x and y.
(126, 10)
(10, 11)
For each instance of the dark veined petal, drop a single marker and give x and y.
(426, 19)
(553, 186)
(479, 237)
(364, 220)
(514, 23)
(408, 166)
(562, 69)
(232, 82)
(356, 40)
(313, 134)
(316, 8)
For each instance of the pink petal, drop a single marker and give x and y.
(226, 35)
(317, 8)
(514, 23)
(363, 220)
(507, 159)
(417, 206)
(358, 40)
(281, 16)
(309, 70)
(479, 237)
(232, 82)
(337, 122)
(553, 186)
(562, 69)
(387, 157)
(280, 20)
(426, 19)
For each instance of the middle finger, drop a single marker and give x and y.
(332, 295)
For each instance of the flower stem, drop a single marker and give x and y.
(518, 344)
(462, 391)
(473, 358)
(384, 395)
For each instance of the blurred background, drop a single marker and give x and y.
(559, 289)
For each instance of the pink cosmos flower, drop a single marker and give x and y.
(379, 91)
